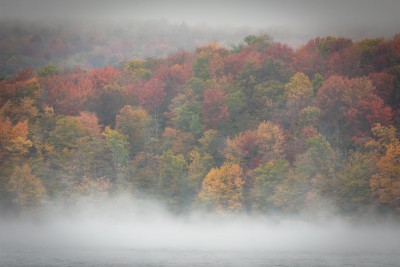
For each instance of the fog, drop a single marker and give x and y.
(306, 18)
(139, 224)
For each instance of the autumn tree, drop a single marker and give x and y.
(251, 147)
(290, 195)
(14, 146)
(119, 146)
(24, 109)
(352, 189)
(385, 184)
(178, 142)
(174, 185)
(68, 92)
(384, 84)
(107, 102)
(308, 59)
(14, 142)
(26, 190)
(150, 94)
(269, 100)
(134, 123)
(267, 177)
(345, 62)
(200, 164)
(222, 188)
(214, 110)
(144, 174)
(349, 109)
(185, 113)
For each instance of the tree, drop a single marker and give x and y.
(48, 70)
(384, 84)
(144, 175)
(251, 147)
(14, 142)
(213, 143)
(385, 184)
(309, 116)
(345, 62)
(178, 142)
(107, 102)
(260, 41)
(14, 146)
(68, 92)
(201, 163)
(318, 166)
(299, 88)
(174, 185)
(298, 92)
(352, 189)
(27, 191)
(134, 123)
(267, 176)
(151, 94)
(21, 110)
(290, 195)
(268, 99)
(118, 144)
(222, 188)
(214, 109)
(185, 113)
(349, 109)
(308, 59)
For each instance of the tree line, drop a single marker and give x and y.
(260, 127)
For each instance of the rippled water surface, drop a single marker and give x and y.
(14, 255)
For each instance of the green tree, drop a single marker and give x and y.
(267, 176)
(145, 170)
(134, 123)
(119, 146)
(174, 185)
(352, 189)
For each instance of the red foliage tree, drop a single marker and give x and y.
(150, 95)
(307, 59)
(68, 92)
(104, 76)
(215, 111)
(384, 85)
(279, 51)
(345, 62)
(352, 104)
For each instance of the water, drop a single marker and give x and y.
(64, 256)
(129, 234)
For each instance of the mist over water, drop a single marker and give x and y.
(135, 231)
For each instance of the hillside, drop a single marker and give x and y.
(260, 127)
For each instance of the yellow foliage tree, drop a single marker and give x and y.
(13, 140)
(299, 87)
(223, 188)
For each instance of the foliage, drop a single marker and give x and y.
(222, 188)
(260, 128)
(27, 191)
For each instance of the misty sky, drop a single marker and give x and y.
(373, 18)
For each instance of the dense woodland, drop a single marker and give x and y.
(92, 45)
(257, 128)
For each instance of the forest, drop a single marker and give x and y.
(259, 127)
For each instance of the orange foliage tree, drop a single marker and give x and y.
(223, 188)
(385, 184)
